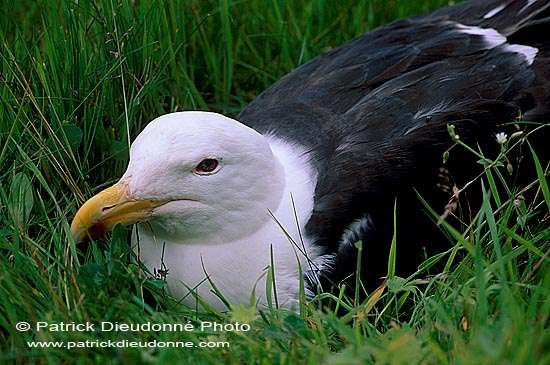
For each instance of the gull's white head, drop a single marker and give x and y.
(197, 176)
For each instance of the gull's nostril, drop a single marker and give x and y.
(107, 208)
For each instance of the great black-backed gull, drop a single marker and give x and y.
(318, 160)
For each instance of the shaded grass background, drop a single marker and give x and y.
(78, 80)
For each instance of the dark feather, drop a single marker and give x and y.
(374, 115)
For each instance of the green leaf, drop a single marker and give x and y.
(73, 134)
(542, 178)
(242, 314)
(396, 284)
(5, 232)
(101, 139)
(20, 198)
(87, 275)
(393, 248)
(119, 150)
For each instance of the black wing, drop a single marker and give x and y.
(374, 115)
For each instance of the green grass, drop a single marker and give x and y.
(78, 82)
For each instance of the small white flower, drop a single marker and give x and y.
(501, 137)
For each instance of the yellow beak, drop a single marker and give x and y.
(109, 207)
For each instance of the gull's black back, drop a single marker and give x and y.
(374, 113)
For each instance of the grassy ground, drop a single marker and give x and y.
(78, 82)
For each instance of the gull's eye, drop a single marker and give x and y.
(207, 166)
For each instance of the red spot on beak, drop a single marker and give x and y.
(95, 231)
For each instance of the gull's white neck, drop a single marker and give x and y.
(235, 267)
